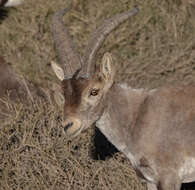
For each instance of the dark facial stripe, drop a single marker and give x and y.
(68, 126)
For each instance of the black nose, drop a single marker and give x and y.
(68, 126)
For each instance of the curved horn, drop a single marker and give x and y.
(68, 57)
(98, 37)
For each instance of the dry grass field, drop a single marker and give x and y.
(154, 48)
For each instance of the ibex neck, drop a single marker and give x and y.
(119, 117)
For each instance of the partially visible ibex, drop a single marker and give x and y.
(17, 89)
(10, 3)
(155, 129)
(11, 83)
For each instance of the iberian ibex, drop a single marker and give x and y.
(155, 129)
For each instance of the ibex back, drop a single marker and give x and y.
(155, 129)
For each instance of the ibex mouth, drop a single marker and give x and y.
(68, 126)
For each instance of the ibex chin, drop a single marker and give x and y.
(155, 129)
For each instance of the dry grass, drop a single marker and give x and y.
(154, 48)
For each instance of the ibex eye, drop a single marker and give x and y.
(94, 92)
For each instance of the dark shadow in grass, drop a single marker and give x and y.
(103, 148)
(188, 186)
(3, 14)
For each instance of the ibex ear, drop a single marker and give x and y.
(107, 69)
(57, 70)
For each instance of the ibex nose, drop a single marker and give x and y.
(67, 126)
(71, 125)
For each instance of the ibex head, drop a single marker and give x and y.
(83, 87)
(83, 98)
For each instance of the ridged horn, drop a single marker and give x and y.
(98, 37)
(68, 57)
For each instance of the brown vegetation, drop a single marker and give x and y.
(155, 48)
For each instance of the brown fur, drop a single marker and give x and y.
(10, 83)
(18, 89)
(160, 127)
